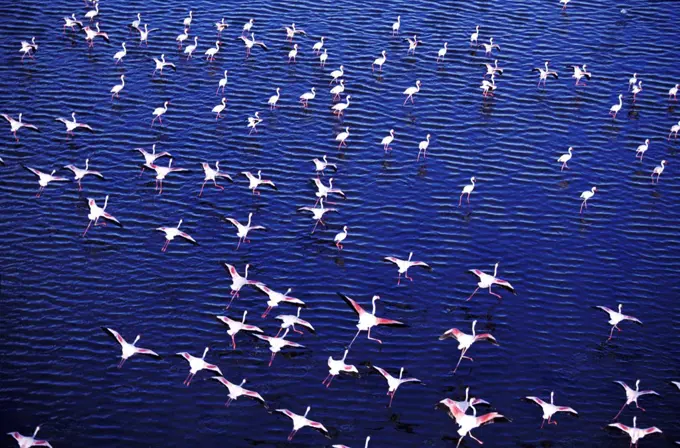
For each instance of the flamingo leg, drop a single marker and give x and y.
(326, 380)
(474, 292)
(611, 333)
(475, 439)
(317, 223)
(87, 228)
(228, 402)
(297, 331)
(639, 407)
(542, 423)
(494, 294)
(373, 339)
(462, 355)
(291, 435)
(330, 381)
(354, 338)
(187, 381)
(201, 193)
(271, 360)
(621, 410)
(399, 279)
(278, 332)
(233, 341)
(391, 398)
(266, 312)
(122, 361)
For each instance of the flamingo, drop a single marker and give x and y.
(120, 54)
(585, 196)
(137, 22)
(633, 395)
(300, 421)
(162, 171)
(71, 22)
(45, 178)
(197, 364)
(642, 149)
(318, 212)
(323, 57)
(658, 170)
(341, 137)
(237, 390)
(491, 70)
(91, 34)
(189, 49)
(160, 64)
(462, 405)
(632, 81)
(411, 91)
(486, 281)
(293, 53)
(219, 108)
(676, 384)
(579, 73)
(465, 340)
(115, 90)
(615, 317)
(187, 20)
(159, 112)
(467, 190)
(211, 52)
(544, 73)
(368, 320)
(564, 3)
(72, 125)
(322, 190)
(250, 43)
(150, 157)
(387, 140)
(637, 89)
(404, 265)
(276, 343)
(28, 48)
(213, 174)
(673, 92)
(474, 36)
(129, 349)
(337, 366)
(223, 83)
(307, 96)
(549, 409)
(379, 61)
(28, 442)
(274, 99)
(616, 107)
(635, 433)
(394, 383)
(469, 422)
(339, 108)
(340, 237)
(182, 37)
(242, 230)
(337, 74)
(289, 320)
(276, 297)
(564, 158)
(255, 182)
(422, 147)
(413, 44)
(235, 326)
(396, 25)
(488, 48)
(15, 125)
(221, 26)
(172, 232)
(674, 129)
(237, 281)
(292, 31)
(442, 52)
(317, 46)
(253, 122)
(91, 14)
(488, 87)
(80, 173)
(321, 165)
(97, 212)
(248, 25)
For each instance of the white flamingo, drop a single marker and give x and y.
(91, 34)
(336, 367)
(658, 170)
(340, 237)
(72, 22)
(462, 405)
(585, 196)
(189, 49)
(633, 395)
(91, 14)
(318, 46)
(223, 83)
(341, 137)
(292, 54)
(221, 26)
(150, 157)
(253, 122)
(379, 61)
(394, 383)
(442, 52)
(237, 390)
(564, 158)
(242, 230)
(172, 232)
(637, 89)
(15, 125)
(616, 107)
(162, 172)
(467, 422)
(422, 147)
(97, 212)
(674, 130)
(255, 182)
(465, 340)
(411, 91)
(488, 48)
(632, 81)
(219, 108)
(300, 421)
(187, 20)
(235, 326)
(28, 442)
(468, 189)
(250, 43)
(318, 212)
(211, 52)
(197, 364)
(673, 92)
(396, 25)
(640, 151)
(387, 140)
(580, 73)
(289, 321)
(237, 281)
(550, 409)
(404, 265)
(274, 99)
(127, 349)
(323, 57)
(115, 90)
(323, 191)
(159, 112)
(306, 97)
(28, 48)
(474, 36)
(212, 175)
(276, 297)
(81, 173)
(276, 344)
(544, 73)
(368, 320)
(339, 108)
(486, 281)
(182, 37)
(337, 74)
(635, 433)
(413, 44)
(45, 178)
(120, 54)
(321, 165)
(615, 317)
(292, 31)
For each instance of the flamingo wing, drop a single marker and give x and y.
(505, 284)
(225, 320)
(393, 260)
(115, 334)
(477, 272)
(262, 287)
(633, 319)
(305, 324)
(222, 380)
(253, 394)
(18, 437)
(234, 222)
(110, 217)
(651, 430)
(318, 426)
(453, 410)
(33, 170)
(452, 333)
(42, 443)
(486, 336)
(212, 367)
(232, 270)
(355, 306)
(536, 400)
(383, 321)
(620, 426)
(286, 412)
(488, 418)
(421, 263)
(567, 409)
(624, 385)
(252, 328)
(263, 337)
(185, 355)
(292, 344)
(605, 309)
(186, 236)
(383, 372)
(146, 351)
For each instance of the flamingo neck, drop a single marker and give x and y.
(136, 339)
(106, 202)
(245, 275)
(345, 355)
(495, 269)
(205, 352)
(243, 381)
(244, 316)
(307, 411)
(374, 299)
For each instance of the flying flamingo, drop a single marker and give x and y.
(81, 173)
(237, 282)
(172, 232)
(277, 343)
(72, 125)
(488, 48)
(45, 178)
(368, 439)
(97, 212)
(413, 44)
(242, 230)
(635, 433)
(197, 364)
(340, 237)
(300, 421)
(162, 171)
(276, 297)
(150, 157)
(633, 395)
(469, 422)
(28, 442)
(28, 48)
(237, 390)
(676, 384)
(404, 265)
(292, 31)
(462, 405)
(213, 174)
(289, 321)
(129, 349)
(336, 367)
(616, 317)
(465, 340)
(321, 165)
(368, 320)
(318, 212)
(253, 122)
(322, 190)
(585, 196)
(235, 326)
(15, 125)
(564, 158)
(394, 383)
(549, 409)
(255, 182)
(544, 73)
(467, 190)
(486, 281)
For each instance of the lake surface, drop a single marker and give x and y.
(58, 289)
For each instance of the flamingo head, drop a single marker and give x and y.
(418, 83)
(307, 411)
(287, 291)
(392, 132)
(35, 433)
(445, 44)
(179, 224)
(663, 162)
(594, 189)
(646, 141)
(342, 67)
(477, 28)
(136, 339)
(570, 149)
(473, 179)
(344, 229)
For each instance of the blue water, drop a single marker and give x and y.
(58, 367)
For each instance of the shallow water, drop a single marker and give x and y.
(58, 367)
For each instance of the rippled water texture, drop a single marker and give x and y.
(58, 289)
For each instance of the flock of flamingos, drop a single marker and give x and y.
(463, 412)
